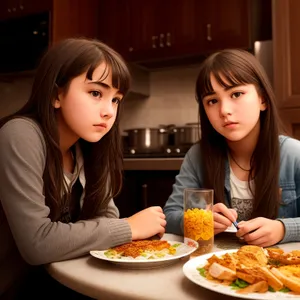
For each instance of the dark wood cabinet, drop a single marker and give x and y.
(286, 24)
(74, 18)
(19, 8)
(142, 189)
(113, 25)
(154, 30)
(67, 18)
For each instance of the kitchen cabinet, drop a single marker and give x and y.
(67, 18)
(154, 30)
(142, 189)
(113, 24)
(74, 18)
(174, 28)
(18, 8)
(35, 27)
(286, 24)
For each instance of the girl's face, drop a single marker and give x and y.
(234, 112)
(89, 108)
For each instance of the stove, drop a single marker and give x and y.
(170, 151)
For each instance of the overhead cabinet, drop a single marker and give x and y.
(153, 30)
(29, 27)
(286, 23)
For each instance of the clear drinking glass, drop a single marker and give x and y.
(198, 219)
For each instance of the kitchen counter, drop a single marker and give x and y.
(155, 164)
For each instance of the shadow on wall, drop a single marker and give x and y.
(14, 92)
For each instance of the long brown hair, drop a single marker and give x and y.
(102, 160)
(231, 67)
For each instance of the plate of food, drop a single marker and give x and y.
(146, 253)
(250, 272)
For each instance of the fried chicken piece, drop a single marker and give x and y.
(227, 260)
(290, 281)
(135, 248)
(272, 280)
(254, 272)
(281, 258)
(250, 256)
(220, 272)
(293, 270)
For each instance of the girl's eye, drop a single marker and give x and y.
(236, 95)
(116, 100)
(96, 94)
(212, 101)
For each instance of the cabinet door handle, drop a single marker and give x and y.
(154, 39)
(168, 43)
(208, 32)
(144, 195)
(161, 40)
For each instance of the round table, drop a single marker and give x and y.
(103, 280)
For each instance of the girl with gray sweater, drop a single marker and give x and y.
(61, 166)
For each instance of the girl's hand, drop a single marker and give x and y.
(261, 232)
(148, 222)
(223, 217)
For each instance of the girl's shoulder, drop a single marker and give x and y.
(288, 142)
(289, 147)
(22, 130)
(21, 124)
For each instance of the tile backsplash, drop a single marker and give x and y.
(171, 101)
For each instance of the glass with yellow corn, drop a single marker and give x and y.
(198, 222)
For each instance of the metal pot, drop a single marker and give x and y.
(147, 139)
(186, 135)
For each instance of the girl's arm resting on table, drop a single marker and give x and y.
(40, 241)
(187, 177)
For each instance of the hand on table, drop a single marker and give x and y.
(261, 232)
(147, 223)
(223, 217)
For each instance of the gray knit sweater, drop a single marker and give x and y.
(27, 235)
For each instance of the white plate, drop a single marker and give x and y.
(141, 263)
(191, 272)
(231, 229)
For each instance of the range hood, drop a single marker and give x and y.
(140, 83)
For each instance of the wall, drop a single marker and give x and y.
(13, 94)
(172, 99)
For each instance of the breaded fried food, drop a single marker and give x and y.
(250, 255)
(281, 258)
(227, 260)
(260, 268)
(254, 272)
(135, 248)
(290, 281)
(222, 273)
(288, 270)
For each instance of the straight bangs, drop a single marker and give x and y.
(121, 79)
(228, 73)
